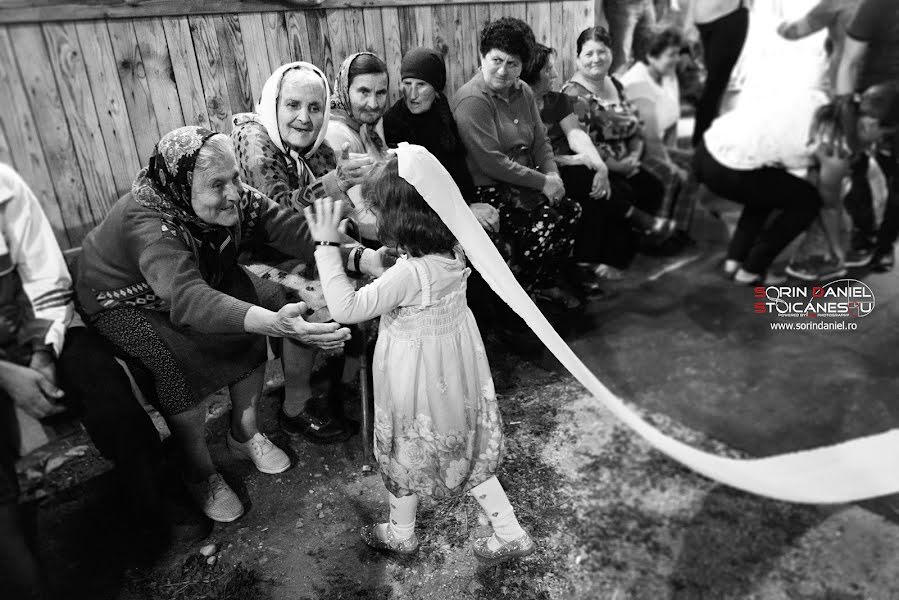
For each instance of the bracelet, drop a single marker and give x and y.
(328, 244)
(357, 258)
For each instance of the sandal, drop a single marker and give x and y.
(517, 548)
(371, 537)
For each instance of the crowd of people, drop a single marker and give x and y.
(227, 248)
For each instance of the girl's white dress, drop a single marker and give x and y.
(438, 430)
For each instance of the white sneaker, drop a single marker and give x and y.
(267, 457)
(217, 500)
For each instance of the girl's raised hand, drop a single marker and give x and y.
(323, 222)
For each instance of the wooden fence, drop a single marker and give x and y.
(84, 101)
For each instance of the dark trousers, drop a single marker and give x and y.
(860, 205)
(604, 233)
(767, 194)
(98, 389)
(722, 42)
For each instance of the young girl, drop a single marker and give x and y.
(437, 426)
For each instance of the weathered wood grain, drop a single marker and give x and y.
(538, 16)
(109, 102)
(25, 11)
(135, 88)
(39, 81)
(276, 43)
(77, 104)
(298, 38)
(320, 43)
(26, 153)
(212, 74)
(337, 26)
(186, 72)
(154, 52)
(256, 53)
(234, 62)
(393, 50)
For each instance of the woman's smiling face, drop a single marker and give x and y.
(594, 59)
(301, 109)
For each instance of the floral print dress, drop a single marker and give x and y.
(438, 430)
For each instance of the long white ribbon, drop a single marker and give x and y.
(847, 472)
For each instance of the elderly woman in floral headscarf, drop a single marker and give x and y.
(358, 104)
(282, 152)
(159, 279)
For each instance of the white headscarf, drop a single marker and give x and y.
(267, 114)
(854, 470)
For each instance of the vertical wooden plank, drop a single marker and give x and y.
(374, 32)
(424, 26)
(84, 127)
(154, 53)
(276, 42)
(186, 72)
(109, 102)
(471, 36)
(482, 16)
(43, 96)
(457, 64)
(337, 35)
(320, 42)
(408, 28)
(393, 52)
(298, 39)
(22, 138)
(135, 88)
(234, 63)
(540, 20)
(255, 52)
(215, 92)
(355, 30)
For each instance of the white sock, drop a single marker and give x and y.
(402, 517)
(492, 498)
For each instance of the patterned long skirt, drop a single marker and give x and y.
(541, 238)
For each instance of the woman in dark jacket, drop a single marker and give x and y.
(159, 279)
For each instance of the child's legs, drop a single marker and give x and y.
(492, 498)
(402, 518)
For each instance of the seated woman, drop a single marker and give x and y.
(584, 173)
(159, 279)
(614, 127)
(282, 152)
(511, 161)
(651, 86)
(356, 128)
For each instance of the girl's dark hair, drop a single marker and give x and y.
(531, 74)
(364, 65)
(510, 35)
(661, 40)
(404, 218)
(594, 34)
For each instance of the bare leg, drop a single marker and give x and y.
(244, 396)
(189, 432)
(297, 361)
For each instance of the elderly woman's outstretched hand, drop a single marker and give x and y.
(289, 322)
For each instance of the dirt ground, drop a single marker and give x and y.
(613, 519)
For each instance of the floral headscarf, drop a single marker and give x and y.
(166, 185)
(267, 114)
